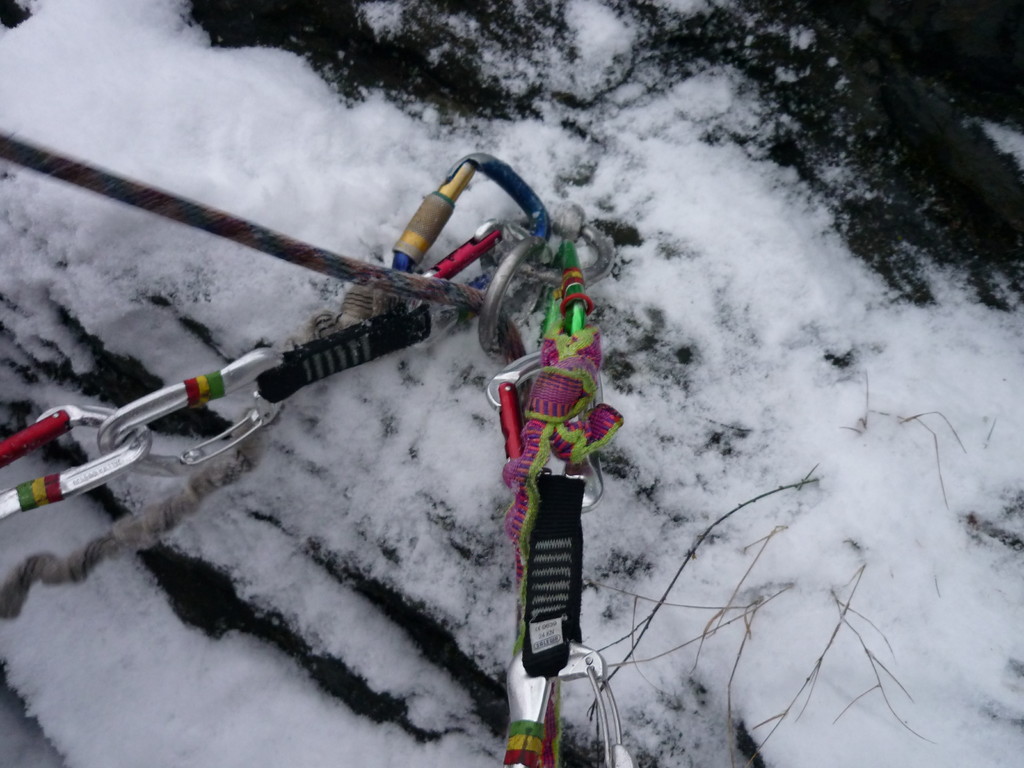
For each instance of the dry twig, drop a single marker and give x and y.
(811, 680)
(645, 624)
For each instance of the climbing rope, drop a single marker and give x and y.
(329, 344)
(403, 284)
(126, 442)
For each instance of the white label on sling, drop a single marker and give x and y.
(545, 634)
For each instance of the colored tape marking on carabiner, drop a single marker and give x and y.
(525, 743)
(39, 492)
(203, 389)
(575, 305)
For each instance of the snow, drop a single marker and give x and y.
(383, 17)
(602, 43)
(752, 350)
(1008, 139)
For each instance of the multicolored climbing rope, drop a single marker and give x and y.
(216, 222)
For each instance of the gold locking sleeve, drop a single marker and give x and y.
(433, 213)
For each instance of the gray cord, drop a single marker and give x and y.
(130, 533)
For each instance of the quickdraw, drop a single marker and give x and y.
(563, 421)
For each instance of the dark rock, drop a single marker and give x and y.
(747, 746)
(12, 13)
(434, 640)
(922, 76)
(879, 98)
(978, 42)
(425, 61)
(113, 378)
(204, 597)
(890, 92)
(937, 132)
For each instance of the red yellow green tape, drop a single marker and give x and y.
(525, 742)
(38, 492)
(203, 389)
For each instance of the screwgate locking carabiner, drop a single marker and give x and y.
(132, 449)
(192, 393)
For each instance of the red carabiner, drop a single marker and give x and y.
(464, 255)
(511, 416)
(34, 436)
(71, 482)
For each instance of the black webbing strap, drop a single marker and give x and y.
(353, 346)
(554, 576)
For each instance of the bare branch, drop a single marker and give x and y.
(645, 624)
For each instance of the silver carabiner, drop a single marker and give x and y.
(570, 224)
(528, 700)
(490, 313)
(527, 696)
(588, 663)
(528, 367)
(191, 393)
(72, 482)
(527, 708)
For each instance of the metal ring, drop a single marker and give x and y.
(490, 312)
(516, 261)
(605, 250)
(593, 273)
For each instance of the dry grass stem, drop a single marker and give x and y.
(862, 426)
(877, 668)
(935, 442)
(746, 612)
(637, 636)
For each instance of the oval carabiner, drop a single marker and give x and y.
(191, 393)
(72, 482)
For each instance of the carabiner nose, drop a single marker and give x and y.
(72, 482)
(189, 393)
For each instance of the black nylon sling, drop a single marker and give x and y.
(554, 576)
(355, 345)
